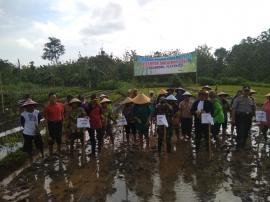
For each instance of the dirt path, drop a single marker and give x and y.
(123, 173)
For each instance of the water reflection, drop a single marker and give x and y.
(123, 173)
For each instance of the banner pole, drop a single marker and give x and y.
(2, 93)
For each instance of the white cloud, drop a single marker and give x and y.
(2, 12)
(144, 25)
(25, 43)
(48, 28)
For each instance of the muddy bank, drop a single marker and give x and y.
(124, 173)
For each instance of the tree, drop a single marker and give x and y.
(53, 50)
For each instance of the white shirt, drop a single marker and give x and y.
(30, 122)
(200, 105)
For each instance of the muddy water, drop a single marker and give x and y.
(124, 173)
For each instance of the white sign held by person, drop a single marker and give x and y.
(162, 121)
(83, 123)
(260, 116)
(207, 118)
(121, 121)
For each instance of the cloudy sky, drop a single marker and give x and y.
(118, 25)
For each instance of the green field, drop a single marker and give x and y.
(230, 89)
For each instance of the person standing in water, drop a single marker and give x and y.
(30, 119)
(54, 116)
(94, 112)
(74, 132)
(142, 116)
(164, 108)
(243, 109)
(185, 115)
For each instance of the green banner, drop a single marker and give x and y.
(176, 64)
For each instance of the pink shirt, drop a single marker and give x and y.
(266, 108)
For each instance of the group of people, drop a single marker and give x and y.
(182, 110)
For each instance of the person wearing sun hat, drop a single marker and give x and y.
(127, 111)
(162, 93)
(185, 115)
(107, 118)
(218, 115)
(179, 94)
(226, 109)
(94, 112)
(164, 108)
(30, 119)
(243, 109)
(142, 115)
(266, 108)
(74, 132)
(201, 105)
(206, 88)
(172, 101)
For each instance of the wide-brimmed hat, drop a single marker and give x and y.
(203, 92)
(222, 93)
(127, 101)
(179, 89)
(267, 95)
(162, 92)
(151, 92)
(75, 100)
(207, 87)
(29, 102)
(141, 99)
(252, 91)
(171, 98)
(102, 96)
(187, 94)
(105, 100)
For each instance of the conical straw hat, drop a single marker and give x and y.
(105, 100)
(162, 92)
(171, 98)
(127, 100)
(252, 91)
(187, 94)
(141, 99)
(207, 87)
(267, 95)
(29, 102)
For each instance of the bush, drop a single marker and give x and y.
(108, 85)
(207, 81)
(233, 81)
(176, 81)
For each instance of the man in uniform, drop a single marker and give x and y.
(243, 109)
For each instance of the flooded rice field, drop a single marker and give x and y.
(123, 173)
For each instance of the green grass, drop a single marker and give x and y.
(230, 89)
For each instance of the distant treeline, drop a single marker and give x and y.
(247, 61)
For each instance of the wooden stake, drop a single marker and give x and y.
(165, 139)
(209, 141)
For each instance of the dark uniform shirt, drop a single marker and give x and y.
(244, 104)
